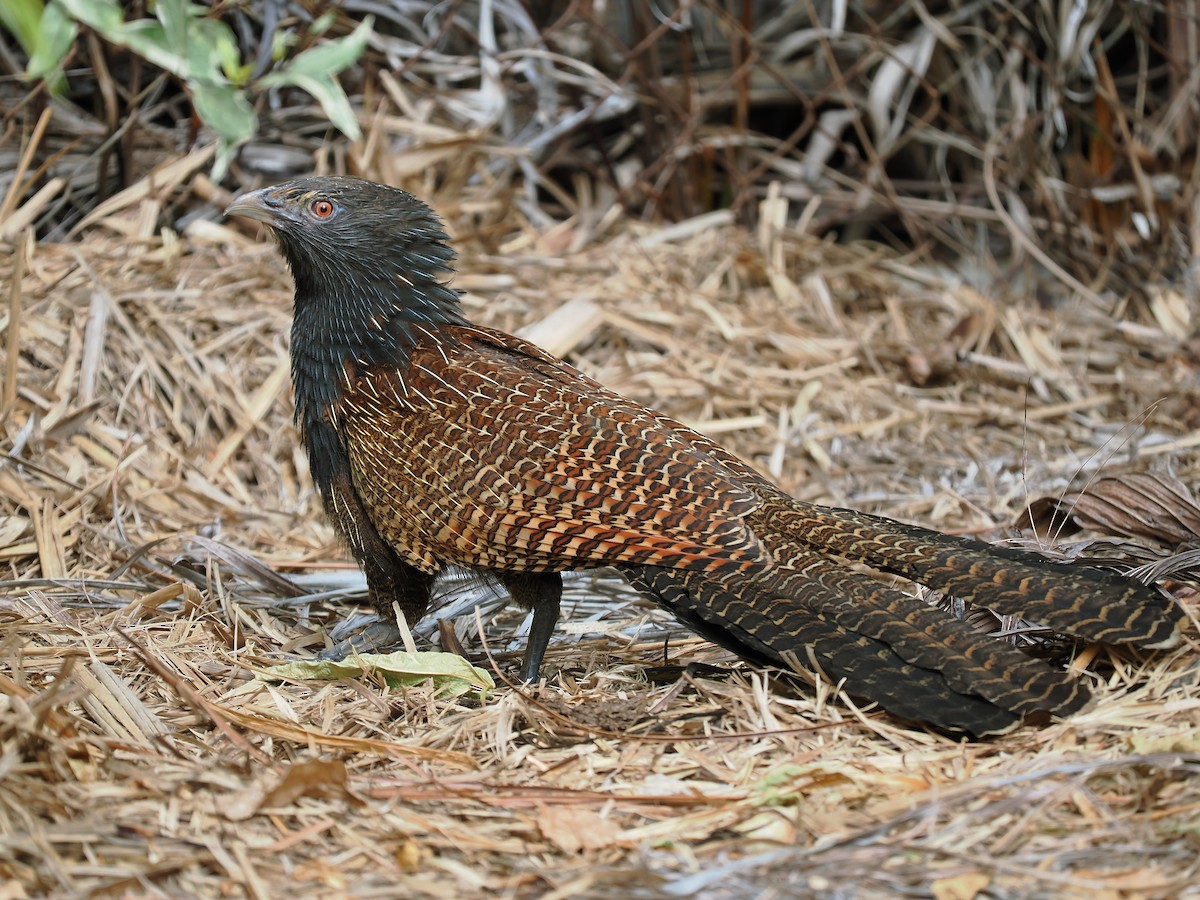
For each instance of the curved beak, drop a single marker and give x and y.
(261, 205)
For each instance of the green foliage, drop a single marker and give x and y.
(313, 71)
(185, 40)
(452, 676)
(21, 18)
(45, 33)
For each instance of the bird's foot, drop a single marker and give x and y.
(373, 638)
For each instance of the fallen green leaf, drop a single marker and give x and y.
(451, 674)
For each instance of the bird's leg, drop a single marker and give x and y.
(542, 593)
(390, 581)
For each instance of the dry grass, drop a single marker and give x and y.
(162, 546)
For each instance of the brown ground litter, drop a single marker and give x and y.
(161, 546)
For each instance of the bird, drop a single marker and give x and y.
(438, 442)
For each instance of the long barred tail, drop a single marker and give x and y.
(811, 608)
(886, 646)
(1072, 599)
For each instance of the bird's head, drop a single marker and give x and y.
(358, 246)
(370, 264)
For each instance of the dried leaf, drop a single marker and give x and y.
(577, 828)
(312, 778)
(1148, 507)
(966, 886)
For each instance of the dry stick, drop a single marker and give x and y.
(93, 347)
(255, 413)
(433, 788)
(193, 699)
(843, 91)
(31, 208)
(291, 731)
(160, 180)
(14, 189)
(1014, 230)
(14, 331)
(1113, 98)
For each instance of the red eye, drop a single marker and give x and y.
(322, 209)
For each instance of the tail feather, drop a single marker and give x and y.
(887, 646)
(1078, 600)
(1072, 599)
(923, 636)
(869, 667)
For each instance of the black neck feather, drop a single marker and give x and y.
(368, 308)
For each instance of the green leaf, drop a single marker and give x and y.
(323, 22)
(229, 57)
(189, 42)
(56, 34)
(105, 16)
(210, 47)
(225, 153)
(327, 92)
(225, 110)
(451, 674)
(147, 39)
(332, 56)
(174, 17)
(281, 44)
(22, 18)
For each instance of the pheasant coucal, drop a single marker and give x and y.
(436, 442)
